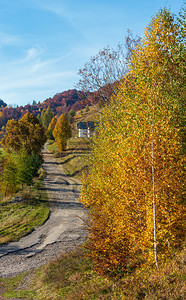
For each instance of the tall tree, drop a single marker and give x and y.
(51, 128)
(62, 132)
(103, 71)
(134, 188)
(27, 133)
(46, 117)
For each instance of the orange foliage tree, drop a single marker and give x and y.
(62, 132)
(27, 134)
(51, 128)
(134, 188)
(22, 143)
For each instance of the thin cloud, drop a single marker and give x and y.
(8, 39)
(18, 82)
(72, 17)
(39, 64)
(30, 55)
(37, 87)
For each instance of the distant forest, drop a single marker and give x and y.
(61, 103)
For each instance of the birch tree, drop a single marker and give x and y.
(134, 188)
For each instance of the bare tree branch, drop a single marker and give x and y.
(104, 70)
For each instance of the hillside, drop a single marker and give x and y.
(60, 103)
(83, 115)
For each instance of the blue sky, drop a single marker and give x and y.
(43, 43)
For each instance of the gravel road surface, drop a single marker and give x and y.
(61, 232)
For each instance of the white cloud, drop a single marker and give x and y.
(32, 76)
(40, 80)
(32, 53)
(39, 64)
(56, 7)
(8, 39)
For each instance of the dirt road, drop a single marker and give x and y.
(61, 232)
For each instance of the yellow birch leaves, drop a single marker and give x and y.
(134, 189)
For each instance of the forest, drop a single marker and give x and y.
(61, 103)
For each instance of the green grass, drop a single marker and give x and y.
(72, 277)
(9, 287)
(74, 158)
(52, 147)
(19, 218)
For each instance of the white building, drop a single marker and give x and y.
(85, 129)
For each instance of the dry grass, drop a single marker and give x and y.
(72, 277)
(74, 159)
(91, 115)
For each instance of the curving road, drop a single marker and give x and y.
(61, 232)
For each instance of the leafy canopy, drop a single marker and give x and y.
(62, 132)
(134, 188)
(27, 134)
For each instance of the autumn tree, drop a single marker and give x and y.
(27, 133)
(62, 132)
(51, 128)
(134, 188)
(2, 119)
(12, 139)
(22, 143)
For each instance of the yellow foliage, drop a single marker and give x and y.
(27, 134)
(62, 132)
(134, 188)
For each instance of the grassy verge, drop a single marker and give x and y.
(73, 159)
(21, 214)
(72, 277)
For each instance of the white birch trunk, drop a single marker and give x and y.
(153, 194)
